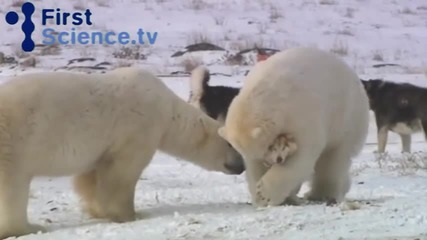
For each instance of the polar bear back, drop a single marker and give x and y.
(47, 121)
(302, 91)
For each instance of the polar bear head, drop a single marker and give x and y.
(215, 153)
(250, 144)
(247, 136)
(255, 136)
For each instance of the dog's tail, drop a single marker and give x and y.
(198, 83)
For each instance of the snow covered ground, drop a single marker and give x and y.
(176, 200)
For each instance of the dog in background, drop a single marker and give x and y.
(213, 100)
(398, 107)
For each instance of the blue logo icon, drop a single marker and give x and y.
(27, 26)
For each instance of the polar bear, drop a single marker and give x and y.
(102, 128)
(314, 97)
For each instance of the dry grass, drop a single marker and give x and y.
(262, 28)
(227, 35)
(405, 164)
(408, 11)
(397, 55)
(339, 48)
(346, 32)
(122, 63)
(275, 13)
(86, 52)
(416, 70)
(244, 43)
(103, 3)
(349, 12)
(197, 5)
(49, 50)
(148, 6)
(133, 52)
(17, 3)
(18, 52)
(328, 2)
(79, 5)
(378, 56)
(28, 62)
(356, 170)
(219, 20)
(198, 37)
(190, 63)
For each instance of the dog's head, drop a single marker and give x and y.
(283, 146)
(372, 88)
(380, 91)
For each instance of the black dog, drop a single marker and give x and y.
(213, 100)
(398, 107)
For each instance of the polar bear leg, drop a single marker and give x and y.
(14, 193)
(281, 181)
(331, 179)
(254, 172)
(108, 190)
(293, 198)
(116, 180)
(85, 187)
(255, 169)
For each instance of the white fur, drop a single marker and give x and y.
(313, 96)
(102, 128)
(197, 81)
(282, 147)
(405, 129)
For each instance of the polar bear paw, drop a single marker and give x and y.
(17, 231)
(36, 228)
(268, 195)
(261, 199)
(295, 201)
(282, 147)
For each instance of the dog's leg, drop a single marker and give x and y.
(424, 125)
(382, 139)
(406, 142)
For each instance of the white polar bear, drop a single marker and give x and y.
(317, 99)
(102, 128)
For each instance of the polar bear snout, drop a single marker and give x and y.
(235, 167)
(235, 164)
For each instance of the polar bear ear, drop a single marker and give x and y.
(256, 132)
(222, 132)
